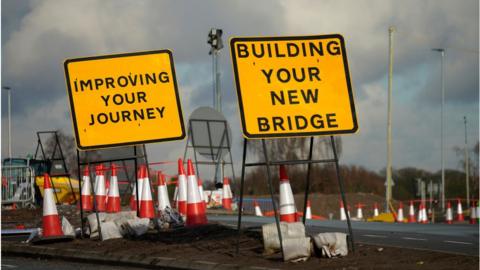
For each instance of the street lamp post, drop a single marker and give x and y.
(388, 195)
(466, 163)
(442, 151)
(9, 106)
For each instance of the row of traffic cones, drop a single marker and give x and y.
(107, 196)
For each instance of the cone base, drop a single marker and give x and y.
(411, 220)
(133, 203)
(113, 205)
(289, 218)
(146, 209)
(100, 201)
(195, 215)
(227, 204)
(460, 218)
(182, 207)
(52, 226)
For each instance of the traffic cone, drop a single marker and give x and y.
(449, 214)
(343, 215)
(411, 213)
(133, 198)
(146, 202)
(308, 213)
(227, 195)
(202, 195)
(375, 210)
(182, 189)
(51, 221)
(400, 213)
(86, 191)
(459, 211)
(258, 211)
(424, 214)
(288, 212)
(359, 211)
(195, 210)
(100, 194)
(473, 214)
(162, 193)
(113, 202)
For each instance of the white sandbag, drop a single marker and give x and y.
(138, 226)
(296, 249)
(67, 227)
(92, 222)
(331, 244)
(289, 230)
(110, 230)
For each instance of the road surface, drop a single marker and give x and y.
(455, 238)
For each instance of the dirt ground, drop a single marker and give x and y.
(215, 242)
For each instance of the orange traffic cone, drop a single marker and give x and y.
(182, 189)
(202, 195)
(51, 221)
(411, 213)
(227, 195)
(100, 194)
(308, 213)
(459, 211)
(162, 193)
(133, 198)
(343, 215)
(449, 214)
(146, 202)
(288, 212)
(195, 210)
(86, 191)
(400, 213)
(473, 214)
(359, 211)
(258, 211)
(375, 210)
(424, 214)
(113, 203)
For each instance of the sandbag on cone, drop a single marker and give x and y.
(195, 210)
(182, 189)
(288, 212)
(375, 210)
(162, 193)
(227, 195)
(473, 213)
(400, 213)
(113, 203)
(86, 191)
(146, 202)
(100, 194)
(133, 198)
(411, 213)
(258, 211)
(449, 214)
(51, 221)
(460, 211)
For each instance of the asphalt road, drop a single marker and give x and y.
(9, 262)
(457, 238)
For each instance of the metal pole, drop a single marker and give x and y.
(240, 206)
(9, 106)
(307, 186)
(466, 163)
(214, 78)
(442, 148)
(388, 195)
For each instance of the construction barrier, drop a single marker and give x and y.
(18, 186)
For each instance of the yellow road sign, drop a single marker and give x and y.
(293, 86)
(124, 99)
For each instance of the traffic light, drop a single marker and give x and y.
(215, 39)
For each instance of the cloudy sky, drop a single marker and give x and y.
(38, 35)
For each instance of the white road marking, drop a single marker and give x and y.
(457, 242)
(9, 266)
(374, 235)
(414, 239)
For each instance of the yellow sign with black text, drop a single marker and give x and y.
(293, 86)
(124, 99)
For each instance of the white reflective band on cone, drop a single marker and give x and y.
(86, 185)
(163, 201)
(49, 207)
(193, 195)
(287, 205)
(100, 190)
(182, 188)
(113, 191)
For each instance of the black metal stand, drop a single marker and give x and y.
(267, 162)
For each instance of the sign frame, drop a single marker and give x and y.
(73, 113)
(248, 135)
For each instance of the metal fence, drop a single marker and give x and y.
(18, 186)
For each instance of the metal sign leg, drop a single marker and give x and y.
(240, 207)
(307, 187)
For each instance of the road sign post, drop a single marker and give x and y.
(292, 87)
